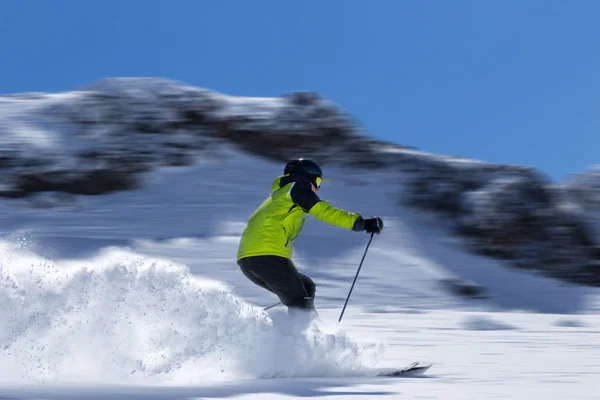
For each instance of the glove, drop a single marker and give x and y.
(371, 225)
(374, 225)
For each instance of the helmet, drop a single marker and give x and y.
(308, 170)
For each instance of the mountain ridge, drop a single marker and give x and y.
(105, 136)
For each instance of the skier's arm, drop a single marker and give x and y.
(323, 210)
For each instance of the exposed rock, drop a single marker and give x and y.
(463, 288)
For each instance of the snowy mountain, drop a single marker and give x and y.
(106, 137)
(134, 292)
(584, 190)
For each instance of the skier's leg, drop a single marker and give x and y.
(280, 276)
(310, 287)
(248, 267)
(303, 299)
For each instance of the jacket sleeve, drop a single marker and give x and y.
(323, 210)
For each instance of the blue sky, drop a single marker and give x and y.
(511, 81)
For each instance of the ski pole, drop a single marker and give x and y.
(356, 276)
(271, 306)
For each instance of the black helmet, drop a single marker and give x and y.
(308, 170)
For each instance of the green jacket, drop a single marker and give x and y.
(278, 221)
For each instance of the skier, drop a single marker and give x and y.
(265, 249)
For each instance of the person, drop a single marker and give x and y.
(265, 249)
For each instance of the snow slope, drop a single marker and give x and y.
(136, 295)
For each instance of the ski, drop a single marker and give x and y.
(414, 369)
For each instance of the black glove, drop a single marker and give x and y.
(371, 225)
(374, 225)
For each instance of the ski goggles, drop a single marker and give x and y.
(318, 181)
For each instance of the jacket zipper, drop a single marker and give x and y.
(288, 239)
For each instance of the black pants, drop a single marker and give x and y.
(279, 276)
